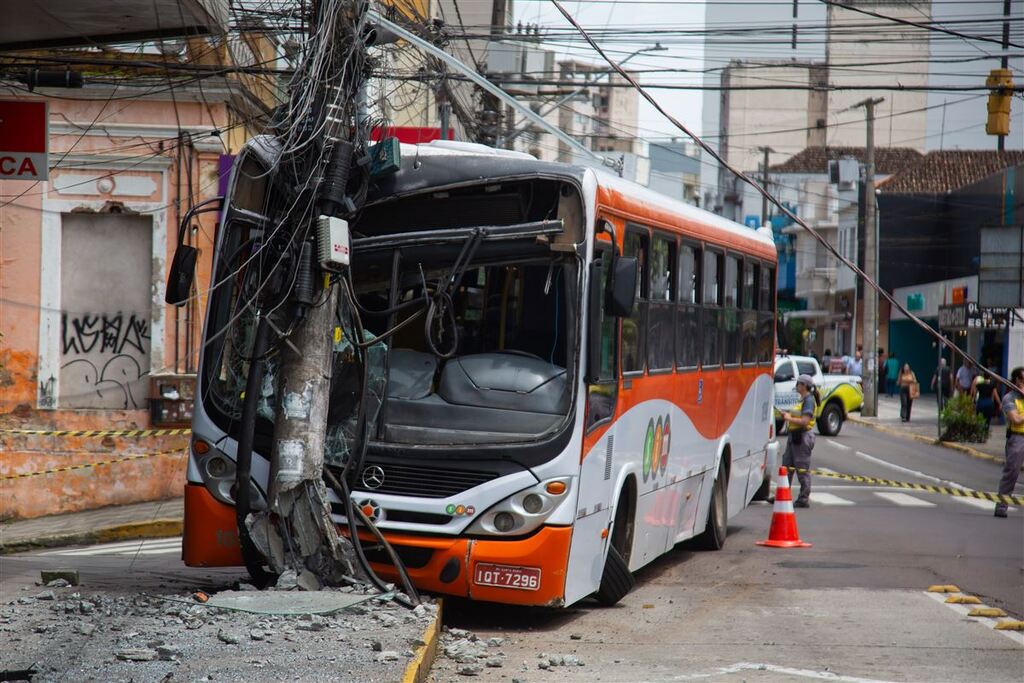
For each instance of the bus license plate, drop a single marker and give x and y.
(505, 576)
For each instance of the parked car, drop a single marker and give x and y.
(840, 394)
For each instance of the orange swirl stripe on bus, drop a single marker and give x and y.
(723, 394)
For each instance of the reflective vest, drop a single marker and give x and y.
(1012, 428)
(797, 411)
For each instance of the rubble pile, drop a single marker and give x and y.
(69, 634)
(465, 654)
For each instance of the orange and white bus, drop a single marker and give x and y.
(602, 392)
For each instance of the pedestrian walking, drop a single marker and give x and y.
(942, 382)
(965, 378)
(986, 400)
(797, 456)
(1013, 409)
(826, 361)
(891, 374)
(909, 390)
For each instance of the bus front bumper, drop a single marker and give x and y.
(466, 567)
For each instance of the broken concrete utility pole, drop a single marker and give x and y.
(298, 532)
(298, 495)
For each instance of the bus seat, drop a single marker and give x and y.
(482, 398)
(505, 380)
(410, 374)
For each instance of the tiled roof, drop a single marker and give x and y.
(888, 160)
(948, 170)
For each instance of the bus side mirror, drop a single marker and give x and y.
(622, 294)
(181, 275)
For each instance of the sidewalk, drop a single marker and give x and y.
(156, 519)
(923, 426)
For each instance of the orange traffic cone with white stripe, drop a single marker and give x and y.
(783, 533)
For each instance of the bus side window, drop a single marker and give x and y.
(634, 328)
(711, 321)
(766, 315)
(732, 341)
(688, 331)
(661, 309)
(601, 390)
(751, 279)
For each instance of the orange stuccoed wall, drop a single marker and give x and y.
(133, 129)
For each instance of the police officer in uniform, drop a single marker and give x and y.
(1013, 408)
(801, 437)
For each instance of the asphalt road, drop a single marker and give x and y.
(851, 608)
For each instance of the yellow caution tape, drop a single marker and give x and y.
(87, 465)
(96, 432)
(929, 488)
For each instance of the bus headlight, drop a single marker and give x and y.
(218, 473)
(524, 511)
(505, 522)
(533, 503)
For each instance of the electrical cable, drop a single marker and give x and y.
(917, 24)
(251, 555)
(941, 340)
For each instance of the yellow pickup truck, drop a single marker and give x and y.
(840, 394)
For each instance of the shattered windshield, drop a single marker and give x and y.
(487, 361)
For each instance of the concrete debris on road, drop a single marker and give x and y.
(463, 653)
(120, 637)
(49, 576)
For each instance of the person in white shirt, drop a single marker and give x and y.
(856, 366)
(965, 378)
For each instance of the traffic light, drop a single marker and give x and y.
(1000, 81)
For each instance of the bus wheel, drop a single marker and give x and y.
(616, 579)
(713, 537)
(831, 420)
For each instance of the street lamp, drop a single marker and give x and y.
(657, 47)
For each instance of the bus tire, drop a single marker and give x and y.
(713, 536)
(616, 579)
(830, 422)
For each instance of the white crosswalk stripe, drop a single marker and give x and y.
(982, 504)
(904, 500)
(829, 499)
(164, 546)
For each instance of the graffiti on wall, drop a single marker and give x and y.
(105, 358)
(112, 332)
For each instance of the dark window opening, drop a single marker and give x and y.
(661, 311)
(634, 328)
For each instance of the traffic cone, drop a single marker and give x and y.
(783, 533)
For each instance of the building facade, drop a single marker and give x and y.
(87, 340)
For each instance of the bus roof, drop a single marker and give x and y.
(429, 165)
(643, 203)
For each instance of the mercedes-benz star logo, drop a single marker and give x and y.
(373, 477)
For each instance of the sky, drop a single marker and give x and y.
(605, 15)
(961, 125)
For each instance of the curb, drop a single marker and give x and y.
(158, 528)
(418, 668)
(966, 450)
